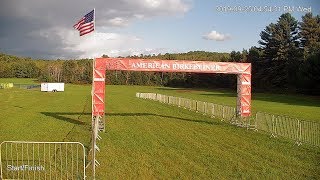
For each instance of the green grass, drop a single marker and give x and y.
(148, 140)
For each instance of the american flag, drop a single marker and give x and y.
(85, 24)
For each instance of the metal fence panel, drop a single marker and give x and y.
(200, 106)
(229, 112)
(42, 160)
(218, 111)
(292, 128)
(263, 122)
(310, 132)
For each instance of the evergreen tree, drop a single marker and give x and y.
(235, 56)
(310, 75)
(310, 34)
(281, 47)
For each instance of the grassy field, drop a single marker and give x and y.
(148, 140)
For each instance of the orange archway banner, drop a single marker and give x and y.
(100, 65)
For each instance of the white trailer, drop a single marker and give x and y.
(52, 87)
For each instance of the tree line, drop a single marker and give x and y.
(288, 58)
(68, 71)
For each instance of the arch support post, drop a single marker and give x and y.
(98, 93)
(98, 109)
(244, 95)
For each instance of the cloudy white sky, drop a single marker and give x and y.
(43, 28)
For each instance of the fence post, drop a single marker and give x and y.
(222, 112)
(204, 108)
(196, 106)
(256, 122)
(213, 110)
(299, 133)
(248, 123)
(272, 127)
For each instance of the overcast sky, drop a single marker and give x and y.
(43, 28)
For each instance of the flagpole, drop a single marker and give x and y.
(93, 148)
(82, 27)
(94, 18)
(94, 26)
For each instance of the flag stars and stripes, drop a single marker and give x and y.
(86, 24)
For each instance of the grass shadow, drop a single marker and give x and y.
(60, 116)
(163, 116)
